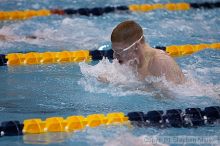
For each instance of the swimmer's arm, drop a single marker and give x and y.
(34, 37)
(2, 37)
(14, 38)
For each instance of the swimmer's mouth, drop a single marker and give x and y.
(120, 61)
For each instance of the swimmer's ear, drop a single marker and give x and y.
(114, 56)
(138, 46)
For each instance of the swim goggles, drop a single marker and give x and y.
(129, 55)
(129, 47)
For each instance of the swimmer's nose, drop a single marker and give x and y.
(120, 61)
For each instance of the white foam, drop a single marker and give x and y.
(6, 30)
(75, 33)
(69, 33)
(194, 87)
(123, 81)
(128, 139)
(113, 136)
(114, 72)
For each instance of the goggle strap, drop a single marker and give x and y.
(129, 47)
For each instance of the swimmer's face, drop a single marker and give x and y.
(129, 56)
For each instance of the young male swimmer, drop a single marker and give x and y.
(15, 38)
(129, 48)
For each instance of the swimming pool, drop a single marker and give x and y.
(71, 89)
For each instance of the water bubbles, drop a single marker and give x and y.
(116, 79)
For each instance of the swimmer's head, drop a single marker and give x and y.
(127, 38)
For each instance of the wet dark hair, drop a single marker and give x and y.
(127, 33)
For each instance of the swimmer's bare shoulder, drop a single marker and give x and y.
(163, 64)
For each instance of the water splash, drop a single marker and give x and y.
(69, 33)
(123, 81)
(131, 140)
(112, 135)
(78, 33)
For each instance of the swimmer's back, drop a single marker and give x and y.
(162, 64)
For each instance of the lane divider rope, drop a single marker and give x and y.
(23, 15)
(98, 11)
(182, 50)
(191, 117)
(33, 58)
(173, 50)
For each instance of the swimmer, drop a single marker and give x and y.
(11, 38)
(129, 47)
(5, 37)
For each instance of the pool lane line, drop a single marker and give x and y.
(175, 118)
(33, 58)
(98, 11)
(23, 14)
(181, 6)
(173, 50)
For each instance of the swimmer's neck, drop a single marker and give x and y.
(147, 53)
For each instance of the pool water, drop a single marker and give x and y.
(42, 91)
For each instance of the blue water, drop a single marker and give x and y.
(43, 91)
